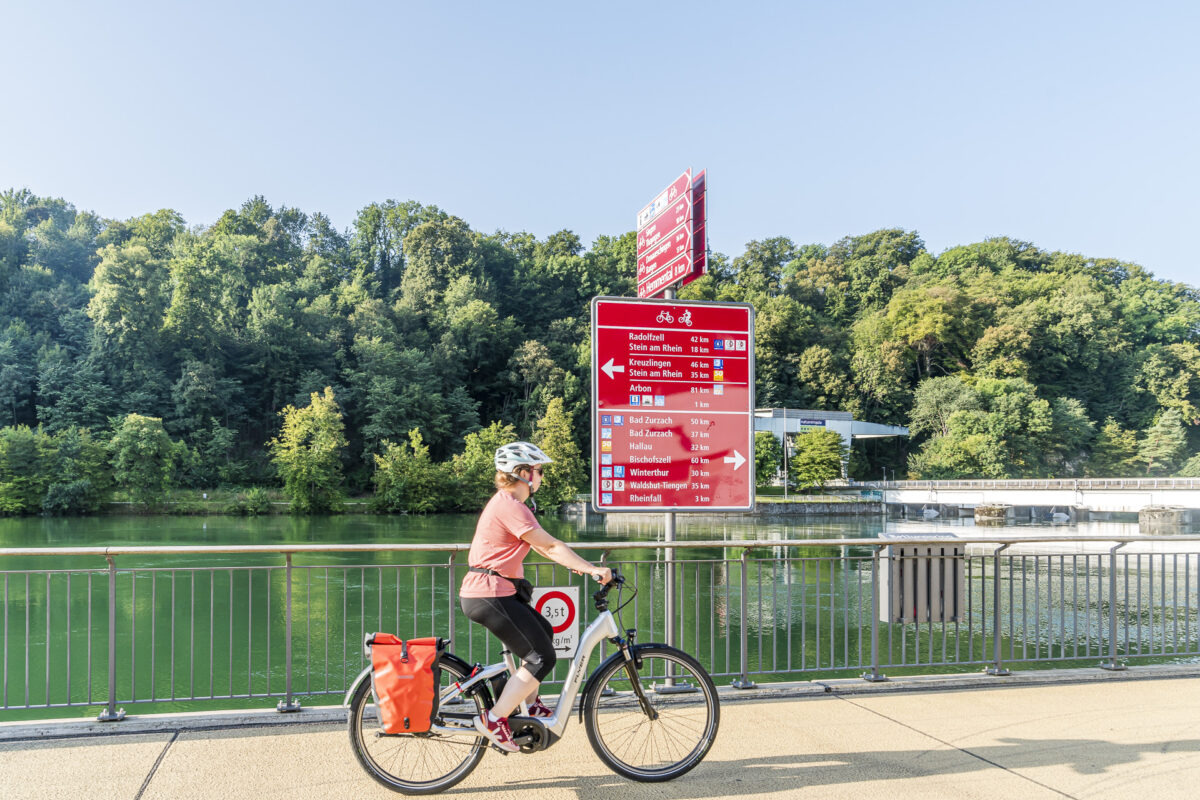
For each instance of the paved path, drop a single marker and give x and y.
(1105, 739)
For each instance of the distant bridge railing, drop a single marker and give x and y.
(211, 627)
(1040, 483)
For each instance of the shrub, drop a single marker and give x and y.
(308, 454)
(472, 470)
(818, 458)
(406, 479)
(143, 459)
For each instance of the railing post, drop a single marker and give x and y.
(669, 626)
(744, 681)
(288, 703)
(875, 675)
(450, 592)
(997, 667)
(1112, 663)
(111, 713)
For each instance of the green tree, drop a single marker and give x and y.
(129, 299)
(1171, 374)
(81, 477)
(143, 459)
(26, 466)
(474, 468)
(567, 475)
(1115, 452)
(308, 454)
(936, 400)
(1070, 440)
(437, 252)
(1190, 468)
(396, 389)
(965, 453)
(1164, 444)
(782, 328)
(194, 313)
(407, 479)
(768, 453)
(538, 378)
(17, 372)
(933, 321)
(819, 455)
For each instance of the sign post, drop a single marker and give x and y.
(673, 414)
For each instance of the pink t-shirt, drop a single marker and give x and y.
(498, 545)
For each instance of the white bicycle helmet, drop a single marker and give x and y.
(517, 454)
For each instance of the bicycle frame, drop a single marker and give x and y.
(603, 627)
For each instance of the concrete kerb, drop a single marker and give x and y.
(269, 718)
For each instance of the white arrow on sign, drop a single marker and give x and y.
(737, 459)
(609, 368)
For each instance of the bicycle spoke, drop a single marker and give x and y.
(414, 762)
(677, 737)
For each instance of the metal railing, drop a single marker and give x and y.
(208, 635)
(1040, 483)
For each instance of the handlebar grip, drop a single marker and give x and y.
(602, 592)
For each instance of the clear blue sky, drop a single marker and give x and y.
(1072, 125)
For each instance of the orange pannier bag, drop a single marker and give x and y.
(404, 680)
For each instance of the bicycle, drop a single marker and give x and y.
(640, 729)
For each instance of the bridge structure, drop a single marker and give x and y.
(1174, 500)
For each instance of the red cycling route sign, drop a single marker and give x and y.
(672, 405)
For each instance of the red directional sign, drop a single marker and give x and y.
(669, 248)
(679, 213)
(672, 226)
(664, 199)
(680, 267)
(672, 405)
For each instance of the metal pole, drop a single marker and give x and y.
(669, 555)
(288, 703)
(996, 668)
(875, 675)
(669, 566)
(744, 681)
(450, 594)
(785, 449)
(111, 713)
(1112, 663)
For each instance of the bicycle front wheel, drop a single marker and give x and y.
(417, 763)
(680, 728)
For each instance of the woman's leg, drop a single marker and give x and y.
(528, 699)
(520, 687)
(526, 634)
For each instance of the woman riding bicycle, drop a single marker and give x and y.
(496, 595)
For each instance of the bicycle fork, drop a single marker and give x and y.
(631, 668)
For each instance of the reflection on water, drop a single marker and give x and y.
(458, 528)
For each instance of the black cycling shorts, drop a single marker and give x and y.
(524, 631)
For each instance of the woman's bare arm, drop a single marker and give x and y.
(561, 553)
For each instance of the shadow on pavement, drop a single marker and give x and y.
(1083, 756)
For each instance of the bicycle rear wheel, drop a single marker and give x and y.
(419, 763)
(685, 722)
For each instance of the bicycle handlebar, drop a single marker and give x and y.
(600, 598)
